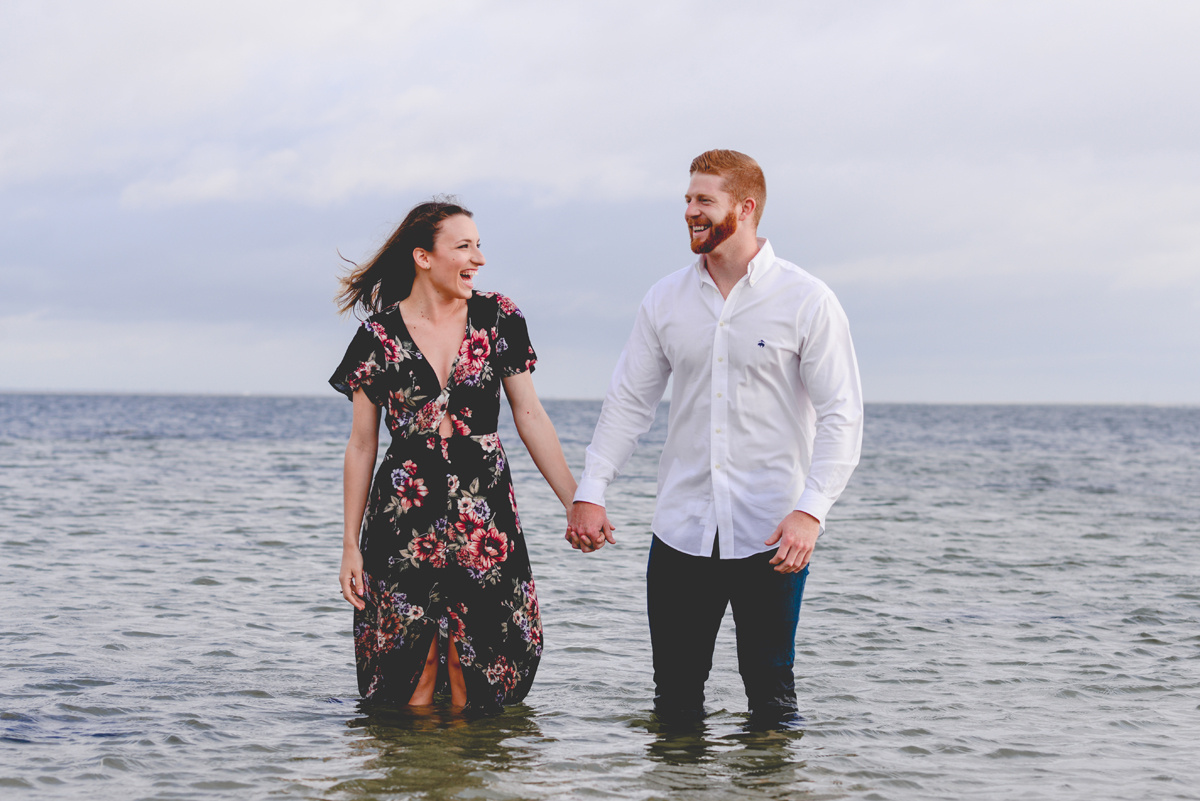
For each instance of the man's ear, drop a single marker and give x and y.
(748, 207)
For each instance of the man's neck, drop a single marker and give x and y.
(731, 260)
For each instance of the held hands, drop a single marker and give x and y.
(351, 577)
(797, 536)
(588, 527)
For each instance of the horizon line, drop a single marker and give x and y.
(313, 396)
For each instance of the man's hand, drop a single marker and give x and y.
(588, 527)
(797, 536)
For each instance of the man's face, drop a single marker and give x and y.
(711, 215)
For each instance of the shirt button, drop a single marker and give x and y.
(720, 358)
(717, 467)
(718, 394)
(722, 323)
(718, 431)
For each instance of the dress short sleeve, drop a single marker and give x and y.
(364, 361)
(514, 352)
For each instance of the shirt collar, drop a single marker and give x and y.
(762, 262)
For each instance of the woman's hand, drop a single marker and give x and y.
(588, 527)
(584, 544)
(351, 577)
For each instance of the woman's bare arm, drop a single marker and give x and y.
(539, 436)
(541, 440)
(356, 484)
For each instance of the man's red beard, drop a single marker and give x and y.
(717, 234)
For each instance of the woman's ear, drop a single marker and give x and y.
(421, 258)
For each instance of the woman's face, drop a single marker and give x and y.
(454, 260)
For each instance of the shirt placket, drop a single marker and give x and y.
(719, 423)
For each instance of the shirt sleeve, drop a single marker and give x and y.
(364, 361)
(514, 351)
(829, 371)
(637, 386)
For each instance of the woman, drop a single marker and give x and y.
(440, 581)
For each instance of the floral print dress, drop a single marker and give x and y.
(441, 541)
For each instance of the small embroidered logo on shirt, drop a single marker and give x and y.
(762, 344)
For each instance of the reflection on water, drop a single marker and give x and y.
(430, 752)
(706, 761)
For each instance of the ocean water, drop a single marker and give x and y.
(1006, 604)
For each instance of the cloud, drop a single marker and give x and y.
(204, 161)
(225, 101)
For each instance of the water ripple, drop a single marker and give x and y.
(1006, 604)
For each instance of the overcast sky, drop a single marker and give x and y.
(1005, 196)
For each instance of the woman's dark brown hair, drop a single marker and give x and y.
(387, 277)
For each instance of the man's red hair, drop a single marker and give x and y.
(742, 176)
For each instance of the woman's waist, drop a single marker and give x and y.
(431, 440)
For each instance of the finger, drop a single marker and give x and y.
(795, 561)
(359, 588)
(774, 538)
(348, 591)
(786, 550)
(608, 530)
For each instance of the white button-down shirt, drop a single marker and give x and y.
(766, 405)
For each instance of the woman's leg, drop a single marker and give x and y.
(458, 685)
(423, 694)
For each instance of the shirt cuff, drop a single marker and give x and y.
(591, 490)
(815, 504)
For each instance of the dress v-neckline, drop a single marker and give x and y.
(457, 353)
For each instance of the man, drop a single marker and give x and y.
(765, 428)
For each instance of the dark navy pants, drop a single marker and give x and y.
(686, 597)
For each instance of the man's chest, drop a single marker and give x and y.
(748, 335)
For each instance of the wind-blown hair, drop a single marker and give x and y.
(743, 177)
(387, 277)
